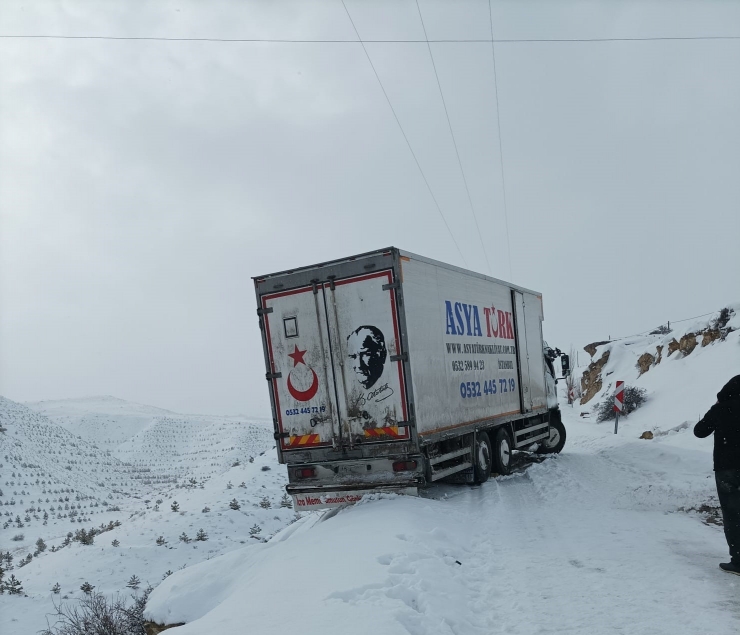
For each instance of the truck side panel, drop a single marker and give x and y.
(462, 347)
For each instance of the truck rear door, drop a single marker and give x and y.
(336, 374)
(365, 345)
(301, 371)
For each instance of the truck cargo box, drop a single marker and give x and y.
(382, 354)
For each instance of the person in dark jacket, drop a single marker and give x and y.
(723, 419)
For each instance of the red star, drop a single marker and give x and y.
(297, 357)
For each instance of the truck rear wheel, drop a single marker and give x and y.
(482, 460)
(502, 452)
(555, 442)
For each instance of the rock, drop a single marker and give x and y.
(687, 344)
(645, 362)
(673, 346)
(591, 348)
(659, 350)
(709, 336)
(154, 629)
(646, 435)
(591, 380)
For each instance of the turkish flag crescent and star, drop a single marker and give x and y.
(310, 392)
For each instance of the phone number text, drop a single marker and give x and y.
(471, 389)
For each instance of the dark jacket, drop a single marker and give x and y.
(723, 419)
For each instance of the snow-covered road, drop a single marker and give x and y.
(587, 542)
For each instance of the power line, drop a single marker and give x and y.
(500, 141)
(454, 142)
(387, 41)
(408, 143)
(646, 331)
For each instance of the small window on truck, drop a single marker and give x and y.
(291, 326)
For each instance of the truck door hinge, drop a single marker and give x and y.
(391, 285)
(269, 376)
(403, 357)
(262, 312)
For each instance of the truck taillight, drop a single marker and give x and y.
(404, 466)
(305, 472)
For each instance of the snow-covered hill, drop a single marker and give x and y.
(54, 483)
(681, 371)
(164, 446)
(104, 421)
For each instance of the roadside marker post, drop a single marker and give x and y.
(618, 403)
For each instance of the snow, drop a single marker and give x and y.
(40, 461)
(599, 539)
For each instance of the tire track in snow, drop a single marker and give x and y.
(555, 555)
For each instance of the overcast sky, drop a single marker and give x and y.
(143, 183)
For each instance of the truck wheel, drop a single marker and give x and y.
(555, 442)
(502, 452)
(482, 459)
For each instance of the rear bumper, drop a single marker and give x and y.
(333, 495)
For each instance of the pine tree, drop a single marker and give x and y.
(87, 588)
(115, 543)
(184, 538)
(234, 504)
(175, 507)
(201, 536)
(265, 503)
(13, 586)
(40, 545)
(133, 583)
(255, 530)
(167, 574)
(161, 541)
(286, 501)
(56, 589)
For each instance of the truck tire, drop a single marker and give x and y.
(482, 460)
(502, 452)
(555, 442)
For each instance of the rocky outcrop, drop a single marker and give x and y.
(687, 344)
(591, 380)
(645, 362)
(647, 435)
(659, 350)
(155, 629)
(709, 336)
(673, 346)
(591, 348)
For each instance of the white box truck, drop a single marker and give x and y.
(388, 371)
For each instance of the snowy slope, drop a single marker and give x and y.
(104, 421)
(166, 445)
(202, 463)
(681, 387)
(587, 542)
